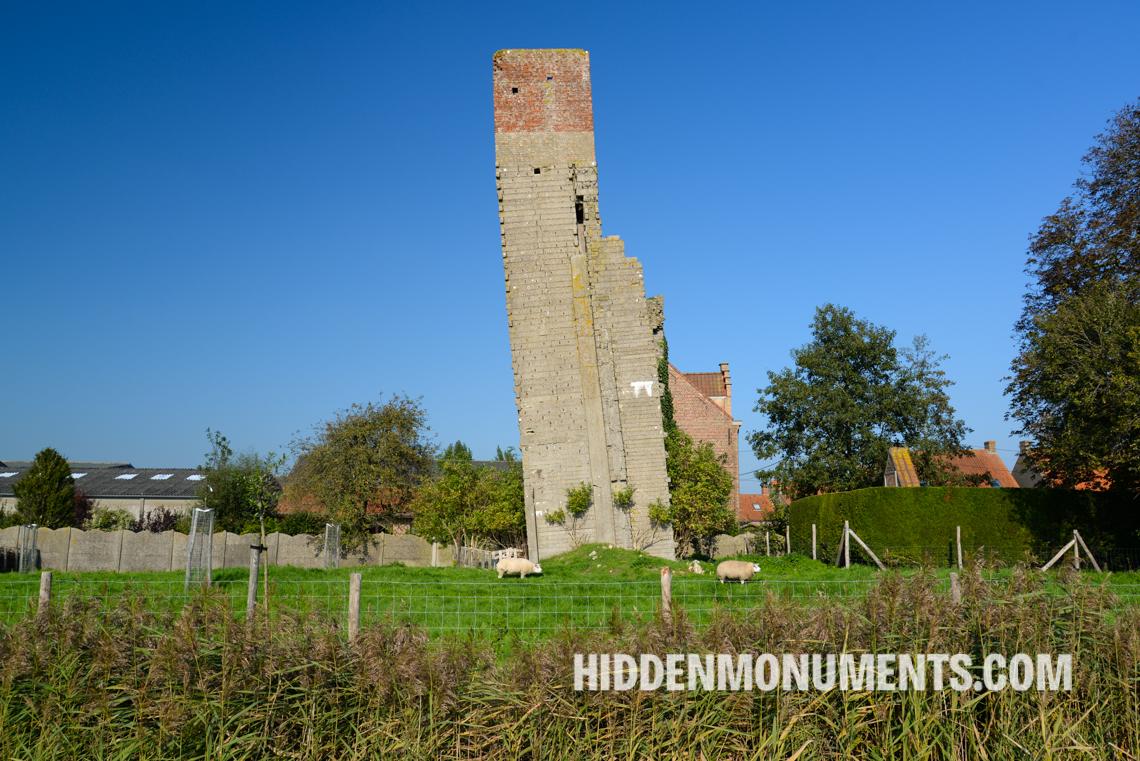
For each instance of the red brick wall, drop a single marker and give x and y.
(704, 420)
(553, 91)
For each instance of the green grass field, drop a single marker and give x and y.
(592, 587)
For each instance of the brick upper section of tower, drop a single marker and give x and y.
(543, 91)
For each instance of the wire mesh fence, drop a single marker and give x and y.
(200, 548)
(26, 548)
(524, 608)
(332, 545)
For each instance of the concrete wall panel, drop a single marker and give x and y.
(146, 551)
(94, 550)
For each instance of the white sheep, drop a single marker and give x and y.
(521, 566)
(734, 570)
(695, 567)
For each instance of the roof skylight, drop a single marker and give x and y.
(126, 477)
(9, 474)
(78, 475)
(196, 477)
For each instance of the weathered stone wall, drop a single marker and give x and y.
(582, 344)
(68, 549)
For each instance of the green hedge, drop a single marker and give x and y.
(908, 524)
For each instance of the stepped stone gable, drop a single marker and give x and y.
(582, 332)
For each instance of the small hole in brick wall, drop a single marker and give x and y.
(549, 77)
(537, 170)
(514, 90)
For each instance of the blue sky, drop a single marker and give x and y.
(247, 216)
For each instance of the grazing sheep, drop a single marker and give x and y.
(695, 567)
(734, 570)
(521, 566)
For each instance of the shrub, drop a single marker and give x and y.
(1008, 523)
(156, 521)
(297, 523)
(623, 498)
(108, 520)
(579, 499)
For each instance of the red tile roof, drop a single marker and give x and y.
(982, 462)
(746, 508)
(709, 384)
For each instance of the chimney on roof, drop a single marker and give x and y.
(991, 446)
(727, 387)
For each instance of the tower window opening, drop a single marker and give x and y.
(538, 170)
(514, 90)
(580, 211)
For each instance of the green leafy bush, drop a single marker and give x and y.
(623, 498)
(109, 520)
(911, 523)
(297, 523)
(579, 499)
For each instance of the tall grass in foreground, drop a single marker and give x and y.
(85, 681)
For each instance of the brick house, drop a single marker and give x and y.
(702, 408)
(754, 508)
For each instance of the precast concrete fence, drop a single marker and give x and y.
(72, 549)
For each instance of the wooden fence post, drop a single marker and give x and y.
(846, 544)
(45, 593)
(767, 544)
(667, 594)
(251, 588)
(813, 557)
(955, 589)
(1076, 552)
(958, 541)
(1080, 540)
(787, 539)
(353, 606)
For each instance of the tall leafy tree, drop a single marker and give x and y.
(1076, 388)
(1094, 236)
(365, 464)
(241, 489)
(471, 504)
(699, 492)
(850, 396)
(502, 521)
(699, 484)
(46, 494)
(1075, 383)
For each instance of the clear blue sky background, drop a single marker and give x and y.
(250, 215)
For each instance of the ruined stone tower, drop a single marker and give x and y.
(582, 332)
